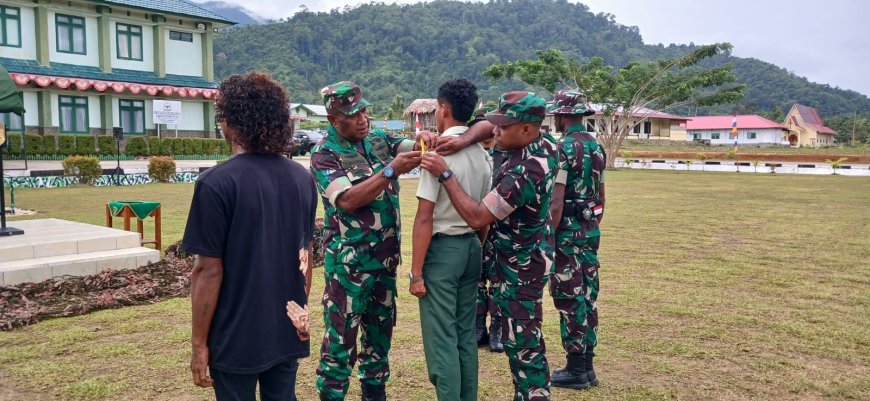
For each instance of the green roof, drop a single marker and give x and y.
(87, 72)
(175, 7)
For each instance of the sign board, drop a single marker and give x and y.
(166, 112)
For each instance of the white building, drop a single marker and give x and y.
(751, 130)
(308, 112)
(88, 66)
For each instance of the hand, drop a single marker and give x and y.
(418, 289)
(303, 261)
(199, 366)
(449, 145)
(433, 163)
(429, 138)
(405, 162)
(299, 316)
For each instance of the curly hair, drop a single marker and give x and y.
(461, 95)
(257, 108)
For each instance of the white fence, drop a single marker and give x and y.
(730, 166)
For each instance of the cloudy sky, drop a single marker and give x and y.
(826, 41)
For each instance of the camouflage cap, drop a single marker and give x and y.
(344, 96)
(518, 106)
(570, 102)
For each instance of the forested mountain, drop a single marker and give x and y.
(408, 50)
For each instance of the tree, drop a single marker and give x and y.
(847, 125)
(627, 96)
(397, 107)
(776, 115)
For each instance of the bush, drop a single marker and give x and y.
(166, 146)
(67, 145)
(186, 146)
(86, 145)
(226, 149)
(136, 146)
(198, 145)
(34, 144)
(49, 145)
(86, 168)
(13, 144)
(154, 148)
(108, 146)
(161, 168)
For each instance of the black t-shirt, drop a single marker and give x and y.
(255, 212)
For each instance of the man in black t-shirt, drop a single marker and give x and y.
(250, 222)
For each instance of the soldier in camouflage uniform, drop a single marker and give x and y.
(577, 208)
(517, 251)
(356, 171)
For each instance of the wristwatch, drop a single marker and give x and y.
(389, 173)
(413, 278)
(445, 175)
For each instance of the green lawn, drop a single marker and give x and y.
(714, 286)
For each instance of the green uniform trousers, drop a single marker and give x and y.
(447, 315)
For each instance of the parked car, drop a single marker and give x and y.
(305, 140)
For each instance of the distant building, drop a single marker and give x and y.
(85, 67)
(425, 110)
(806, 127)
(658, 125)
(751, 130)
(308, 112)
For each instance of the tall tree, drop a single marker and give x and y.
(628, 96)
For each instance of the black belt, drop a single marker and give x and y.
(442, 235)
(587, 209)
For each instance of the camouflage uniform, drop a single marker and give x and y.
(574, 282)
(361, 251)
(517, 251)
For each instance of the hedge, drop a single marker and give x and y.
(108, 146)
(136, 146)
(67, 145)
(105, 146)
(86, 145)
(34, 144)
(154, 148)
(49, 145)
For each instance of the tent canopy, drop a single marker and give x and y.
(11, 98)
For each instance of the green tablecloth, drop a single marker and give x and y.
(140, 208)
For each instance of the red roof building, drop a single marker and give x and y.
(751, 130)
(806, 127)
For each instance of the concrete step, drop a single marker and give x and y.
(53, 237)
(78, 264)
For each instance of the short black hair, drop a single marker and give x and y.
(461, 95)
(256, 106)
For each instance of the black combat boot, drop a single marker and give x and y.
(373, 393)
(480, 331)
(590, 372)
(495, 344)
(574, 374)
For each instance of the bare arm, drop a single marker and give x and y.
(205, 284)
(478, 132)
(557, 203)
(482, 233)
(365, 192)
(601, 198)
(422, 236)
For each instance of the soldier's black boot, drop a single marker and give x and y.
(574, 374)
(373, 393)
(590, 371)
(480, 331)
(495, 344)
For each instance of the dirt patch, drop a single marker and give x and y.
(29, 303)
(20, 212)
(764, 157)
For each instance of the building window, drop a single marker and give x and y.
(73, 114)
(182, 36)
(14, 122)
(637, 128)
(647, 127)
(10, 26)
(70, 34)
(129, 40)
(696, 137)
(132, 116)
(751, 135)
(714, 135)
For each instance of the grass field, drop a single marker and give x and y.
(714, 286)
(685, 146)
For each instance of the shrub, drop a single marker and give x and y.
(108, 146)
(86, 168)
(13, 144)
(198, 146)
(154, 148)
(67, 145)
(226, 149)
(86, 145)
(167, 146)
(136, 146)
(186, 147)
(161, 168)
(34, 144)
(49, 145)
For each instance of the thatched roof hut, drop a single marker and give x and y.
(426, 110)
